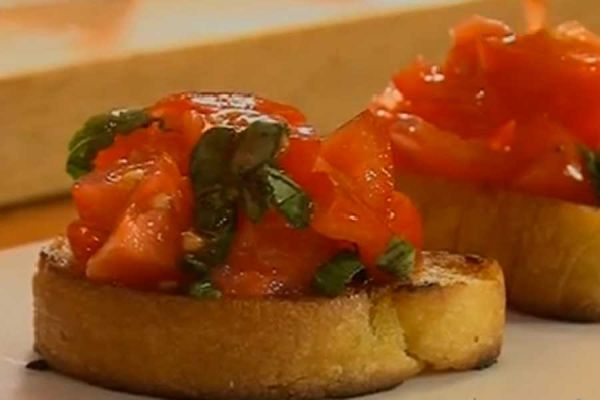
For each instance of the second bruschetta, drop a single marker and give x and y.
(499, 147)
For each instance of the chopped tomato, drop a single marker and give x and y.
(101, 197)
(225, 109)
(245, 283)
(507, 109)
(144, 244)
(289, 256)
(143, 251)
(144, 144)
(137, 202)
(404, 219)
(339, 216)
(85, 241)
(299, 158)
(360, 157)
(355, 200)
(542, 74)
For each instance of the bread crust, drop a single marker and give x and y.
(313, 347)
(549, 249)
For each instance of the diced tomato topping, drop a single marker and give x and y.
(137, 202)
(101, 197)
(361, 157)
(145, 246)
(355, 199)
(404, 219)
(144, 144)
(85, 241)
(299, 158)
(506, 109)
(245, 283)
(288, 256)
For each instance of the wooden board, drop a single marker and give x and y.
(34, 222)
(62, 62)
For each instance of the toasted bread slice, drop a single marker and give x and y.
(450, 317)
(549, 249)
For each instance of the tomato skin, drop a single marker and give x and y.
(144, 144)
(141, 252)
(144, 248)
(84, 241)
(404, 219)
(359, 156)
(355, 199)
(541, 74)
(101, 197)
(244, 283)
(299, 158)
(271, 248)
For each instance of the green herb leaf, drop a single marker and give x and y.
(398, 258)
(211, 158)
(99, 133)
(215, 220)
(230, 170)
(195, 265)
(215, 209)
(215, 193)
(332, 277)
(218, 246)
(592, 162)
(257, 145)
(204, 290)
(288, 197)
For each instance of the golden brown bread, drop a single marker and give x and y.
(450, 317)
(549, 249)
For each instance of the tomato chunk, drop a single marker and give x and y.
(271, 248)
(145, 245)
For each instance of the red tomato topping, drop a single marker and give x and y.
(136, 205)
(288, 257)
(506, 109)
(141, 246)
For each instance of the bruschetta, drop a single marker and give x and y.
(225, 250)
(498, 146)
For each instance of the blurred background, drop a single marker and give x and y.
(63, 60)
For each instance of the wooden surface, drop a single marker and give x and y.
(34, 222)
(327, 57)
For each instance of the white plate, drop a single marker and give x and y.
(542, 360)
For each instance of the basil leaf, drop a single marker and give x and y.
(215, 220)
(229, 171)
(214, 209)
(98, 133)
(288, 197)
(257, 145)
(398, 258)
(195, 265)
(592, 162)
(215, 193)
(211, 158)
(204, 290)
(217, 248)
(332, 277)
